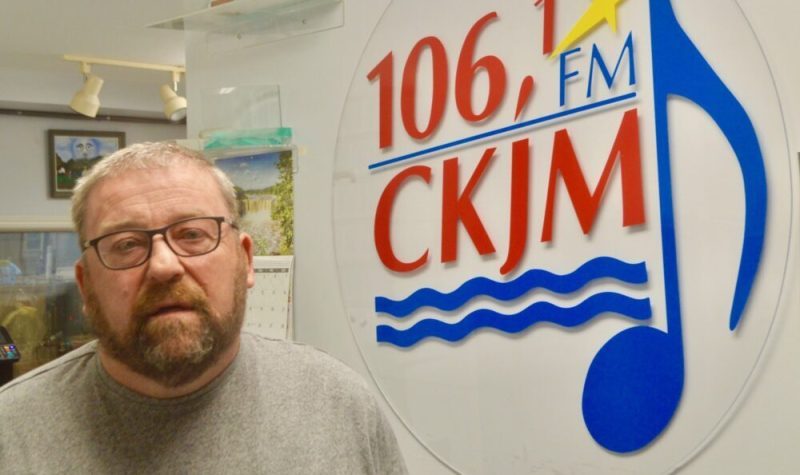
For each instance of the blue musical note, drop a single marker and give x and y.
(634, 384)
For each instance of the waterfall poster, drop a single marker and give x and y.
(264, 196)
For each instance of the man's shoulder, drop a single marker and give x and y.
(296, 355)
(299, 364)
(51, 377)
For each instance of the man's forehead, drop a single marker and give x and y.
(141, 198)
(175, 176)
(144, 221)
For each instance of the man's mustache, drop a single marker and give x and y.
(158, 297)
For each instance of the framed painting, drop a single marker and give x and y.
(74, 152)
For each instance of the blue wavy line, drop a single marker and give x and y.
(596, 268)
(638, 309)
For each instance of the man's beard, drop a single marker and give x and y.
(171, 351)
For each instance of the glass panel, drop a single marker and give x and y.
(40, 305)
(241, 108)
(244, 23)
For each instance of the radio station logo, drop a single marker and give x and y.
(483, 193)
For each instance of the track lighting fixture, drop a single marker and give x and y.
(174, 105)
(87, 102)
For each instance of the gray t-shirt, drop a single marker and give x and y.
(279, 408)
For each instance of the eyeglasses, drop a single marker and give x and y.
(132, 247)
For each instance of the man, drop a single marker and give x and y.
(171, 385)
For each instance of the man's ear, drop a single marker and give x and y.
(247, 248)
(80, 276)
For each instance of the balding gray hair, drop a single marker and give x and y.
(146, 156)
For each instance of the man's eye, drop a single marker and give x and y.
(129, 244)
(191, 234)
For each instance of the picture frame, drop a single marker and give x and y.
(73, 152)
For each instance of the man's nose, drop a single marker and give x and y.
(164, 265)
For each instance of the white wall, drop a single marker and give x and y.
(314, 73)
(24, 156)
(53, 90)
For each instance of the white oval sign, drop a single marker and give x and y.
(562, 229)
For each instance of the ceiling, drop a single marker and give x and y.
(35, 34)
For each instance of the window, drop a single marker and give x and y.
(40, 305)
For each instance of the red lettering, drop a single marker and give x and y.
(383, 219)
(586, 203)
(549, 21)
(383, 72)
(518, 215)
(458, 208)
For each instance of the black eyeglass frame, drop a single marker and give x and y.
(153, 232)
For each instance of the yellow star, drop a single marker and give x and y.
(598, 12)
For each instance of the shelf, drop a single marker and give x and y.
(254, 21)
